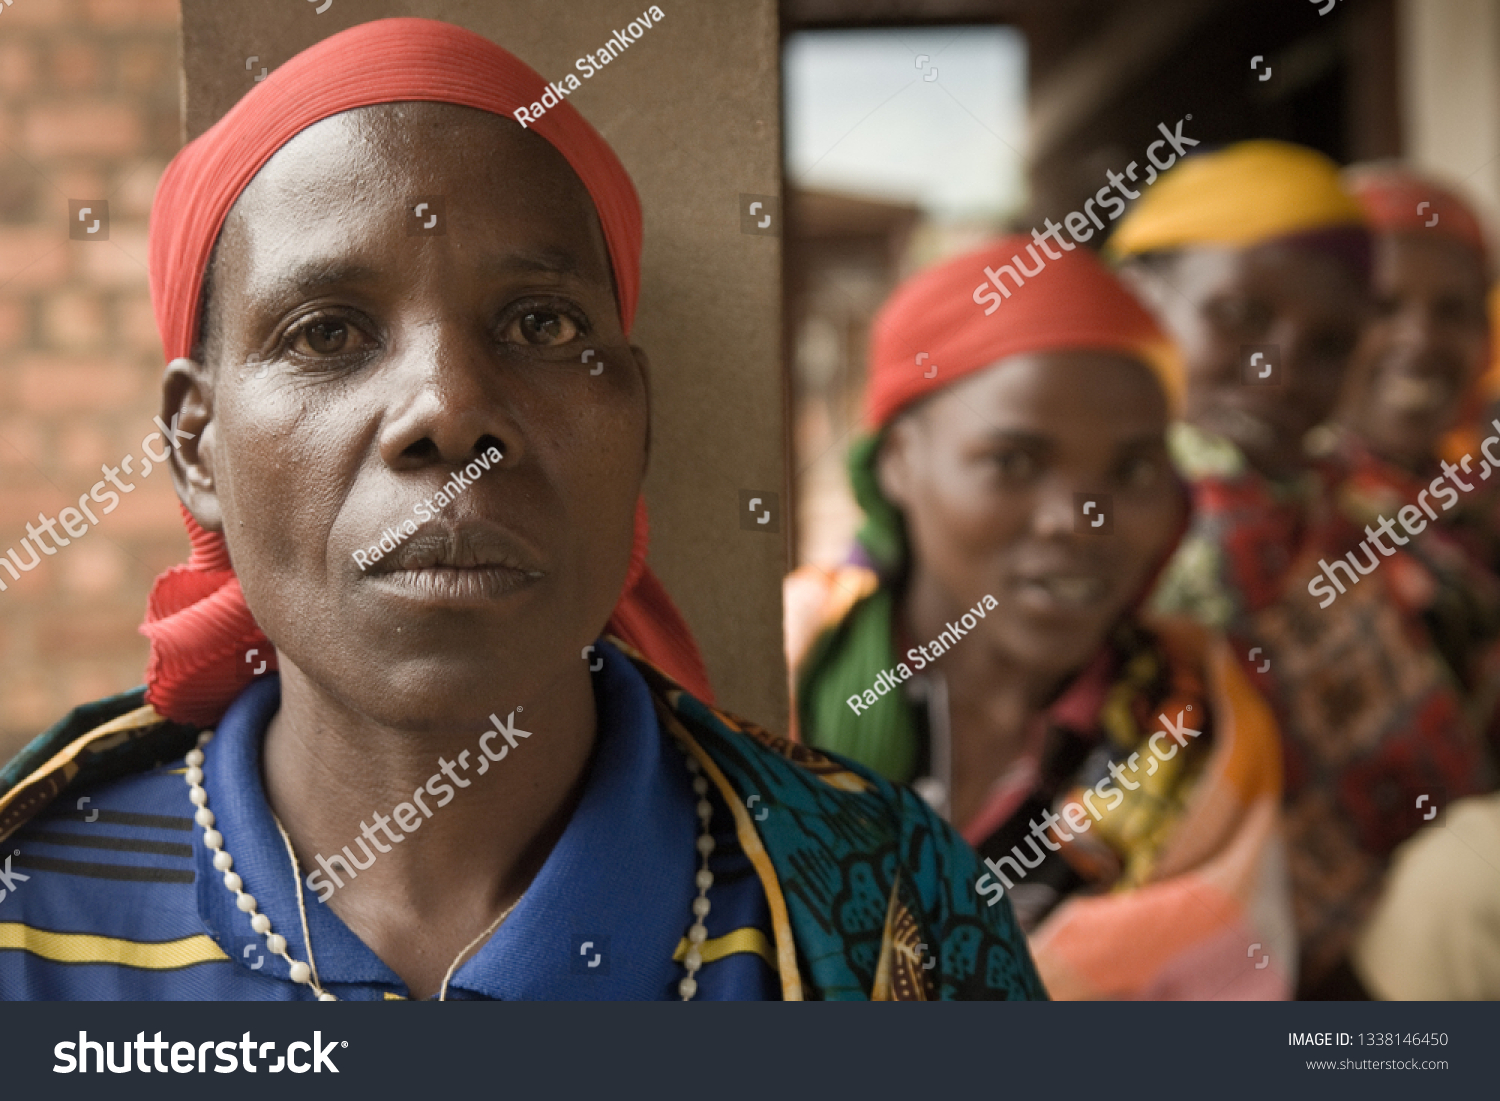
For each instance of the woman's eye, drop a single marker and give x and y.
(326, 337)
(1241, 315)
(542, 328)
(1452, 310)
(1016, 466)
(1332, 347)
(1141, 473)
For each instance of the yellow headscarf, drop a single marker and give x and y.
(1242, 195)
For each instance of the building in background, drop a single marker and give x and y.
(89, 111)
(902, 144)
(843, 255)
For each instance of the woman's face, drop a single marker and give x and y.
(356, 361)
(1427, 343)
(989, 473)
(1310, 306)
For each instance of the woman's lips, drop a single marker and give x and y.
(448, 584)
(458, 560)
(1065, 593)
(1416, 395)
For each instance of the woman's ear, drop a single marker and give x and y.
(187, 408)
(894, 460)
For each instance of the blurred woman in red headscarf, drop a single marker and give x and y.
(404, 478)
(1119, 775)
(1416, 373)
(1409, 412)
(1415, 409)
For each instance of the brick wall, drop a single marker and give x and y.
(88, 111)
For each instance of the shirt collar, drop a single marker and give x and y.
(232, 778)
(621, 876)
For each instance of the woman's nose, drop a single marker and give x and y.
(1061, 508)
(446, 403)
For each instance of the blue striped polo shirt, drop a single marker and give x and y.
(111, 894)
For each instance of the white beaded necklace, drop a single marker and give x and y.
(308, 973)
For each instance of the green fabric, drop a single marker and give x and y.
(846, 659)
(128, 751)
(838, 852)
(844, 662)
(884, 532)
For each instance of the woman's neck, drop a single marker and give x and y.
(992, 699)
(455, 834)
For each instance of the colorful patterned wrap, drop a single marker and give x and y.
(1165, 896)
(1371, 690)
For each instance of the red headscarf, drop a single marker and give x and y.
(197, 620)
(1397, 200)
(945, 321)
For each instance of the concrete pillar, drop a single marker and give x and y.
(1450, 91)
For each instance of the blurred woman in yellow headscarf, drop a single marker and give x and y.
(1257, 260)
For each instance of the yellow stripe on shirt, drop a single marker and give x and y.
(748, 939)
(189, 951)
(167, 955)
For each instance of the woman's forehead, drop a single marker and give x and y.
(356, 180)
(418, 133)
(1092, 390)
(1437, 258)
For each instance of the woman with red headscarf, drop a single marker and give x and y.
(1419, 383)
(1417, 370)
(404, 480)
(1120, 776)
(1415, 401)
(1409, 416)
